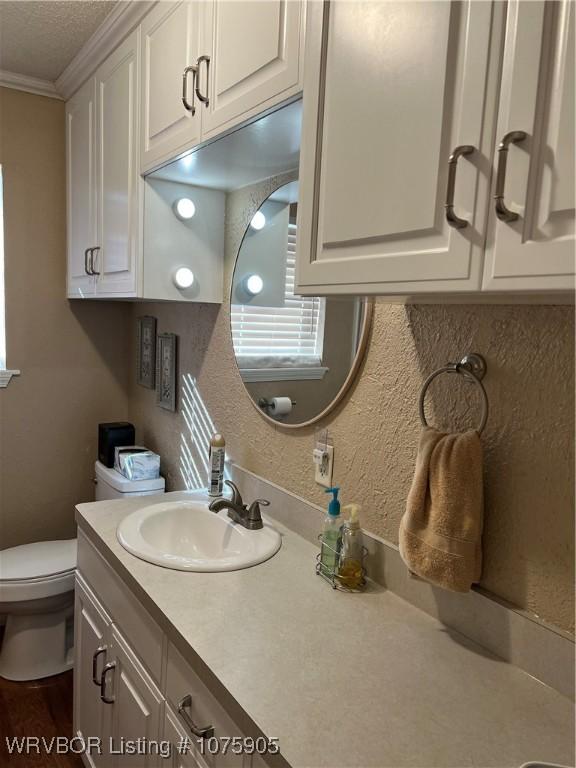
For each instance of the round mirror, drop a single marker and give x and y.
(297, 355)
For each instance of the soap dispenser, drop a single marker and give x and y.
(350, 572)
(330, 547)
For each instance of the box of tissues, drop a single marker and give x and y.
(136, 462)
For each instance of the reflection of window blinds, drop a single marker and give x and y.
(294, 330)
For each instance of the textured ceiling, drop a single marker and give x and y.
(40, 39)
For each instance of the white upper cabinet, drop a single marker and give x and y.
(402, 87)
(208, 66)
(251, 58)
(532, 240)
(81, 189)
(170, 49)
(438, 148)
(116, 260)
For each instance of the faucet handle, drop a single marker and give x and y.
(254, 515)
(236, 495)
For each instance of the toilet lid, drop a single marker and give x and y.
(37, 560)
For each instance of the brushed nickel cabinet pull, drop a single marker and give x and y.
(451, 218)
(190, 107)
(202, 732)
(107, 668)
(204, 99)
(99, 651)
(86, 267)
(92, 270)
(502, 211)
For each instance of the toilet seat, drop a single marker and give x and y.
(38, 570)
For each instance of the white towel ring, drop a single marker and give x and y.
(473, 368)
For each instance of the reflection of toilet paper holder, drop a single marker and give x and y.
(268, 405)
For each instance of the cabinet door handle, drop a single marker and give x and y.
(86, 267)
(190, 107)
(502, 211)
(99, 651)
(204, 99)
(206, 732)
(451, 218)
(92, 270)
(103, 679)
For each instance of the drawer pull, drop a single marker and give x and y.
(502, 211)
(99, 651)
(103, 679)
(451, 218)
(206, 732)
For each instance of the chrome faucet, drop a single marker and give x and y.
(249, 517)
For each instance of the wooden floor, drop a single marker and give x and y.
(38, 708)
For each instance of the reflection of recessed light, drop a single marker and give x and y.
(184, 208)
(258, 220)
(253, 284)
(183, 277)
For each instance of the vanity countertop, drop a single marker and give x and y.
(343, 680)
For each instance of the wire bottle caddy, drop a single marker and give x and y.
(341, 572)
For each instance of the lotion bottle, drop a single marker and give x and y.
(216, 465)
(350, 569)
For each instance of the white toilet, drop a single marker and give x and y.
(37, 592)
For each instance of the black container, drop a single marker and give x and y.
(109, 436)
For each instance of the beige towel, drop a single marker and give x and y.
(441, 529)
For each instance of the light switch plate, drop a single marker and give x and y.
(323, 470)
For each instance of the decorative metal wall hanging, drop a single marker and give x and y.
(166, 371)
(147, 352)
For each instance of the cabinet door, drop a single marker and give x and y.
(535, 251)
(118, 176)
(392, 88)
(91, 651)
(137, 709)
(81, 188)
(254, 50)
(170, 43)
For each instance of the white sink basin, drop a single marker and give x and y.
(187, 536)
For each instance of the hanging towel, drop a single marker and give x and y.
(441, 530)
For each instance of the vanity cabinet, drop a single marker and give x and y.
(397, 197)
(103, 180)
(131, 683)
(136, 703)
(207, 66)
(92, 627)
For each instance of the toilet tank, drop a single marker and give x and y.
(110, 484)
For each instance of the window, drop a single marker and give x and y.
(287, 339)
(5, 375)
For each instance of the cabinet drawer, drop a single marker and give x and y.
(138, 626)
(204, 710)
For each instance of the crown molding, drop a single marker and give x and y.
(29, 84)
(126, 15)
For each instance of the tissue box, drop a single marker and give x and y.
(137, 463)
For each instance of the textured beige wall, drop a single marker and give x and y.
(73, 356)
(529, 461)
